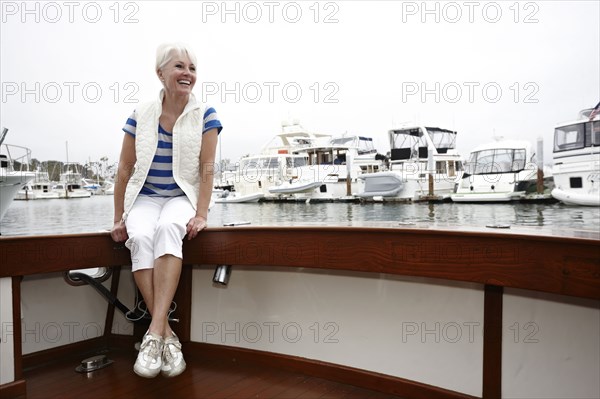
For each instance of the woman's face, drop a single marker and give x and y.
(178, 75)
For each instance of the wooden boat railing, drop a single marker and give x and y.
(559, 265)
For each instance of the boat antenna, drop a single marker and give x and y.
(3, 135)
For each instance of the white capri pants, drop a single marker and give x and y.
(156, 227)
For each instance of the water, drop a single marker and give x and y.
(90, 215)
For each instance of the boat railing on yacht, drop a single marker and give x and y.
(576, 158)
(407, 311)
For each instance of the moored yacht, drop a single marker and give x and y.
(333, 169)
(424, 164)
(70, 186)
(274, 164)
(14, 172)
(500, 171)
(577, 160)
(39, 188)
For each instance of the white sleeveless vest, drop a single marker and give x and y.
(187, 142)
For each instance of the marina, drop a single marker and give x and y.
(405, 204)
(434, 282)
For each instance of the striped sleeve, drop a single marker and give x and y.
(211, 120)
(130, 125)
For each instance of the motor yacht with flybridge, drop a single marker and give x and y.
(577, 160)
(423, 165)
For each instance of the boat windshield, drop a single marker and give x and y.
(366, 146)
(295, 162)
(442, 139)
(408, 138)
(343, 141)
(578, 135)
(497, 160)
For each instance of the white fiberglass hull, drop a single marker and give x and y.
(397, 186)
(293, 188)
(74, 194)
(234, 198)
(35, 195)
(573, 198)
(486, 197)
(10, 184)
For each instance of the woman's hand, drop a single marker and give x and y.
(119, 232)
(195, 225)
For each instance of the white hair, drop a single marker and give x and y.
(166, 51)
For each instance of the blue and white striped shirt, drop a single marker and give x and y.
(160, 181)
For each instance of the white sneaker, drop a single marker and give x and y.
(149, 360)
(172, 358)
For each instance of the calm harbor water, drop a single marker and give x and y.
(88, 215)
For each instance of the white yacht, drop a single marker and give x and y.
(333, 169)
(500, 171)
(274, 164)
(94, 187)
(70, 186)
(38, 188)
(14, 173)
(108, 188)
(577, 161)
(424, 164)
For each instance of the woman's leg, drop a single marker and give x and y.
(141, 227)
(168, 242)
(167, 270)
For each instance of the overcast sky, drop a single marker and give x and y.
(74, 71)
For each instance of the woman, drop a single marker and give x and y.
(162, 193)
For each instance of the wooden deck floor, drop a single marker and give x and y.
(202, 379)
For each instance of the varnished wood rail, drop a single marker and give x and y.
(559, 265)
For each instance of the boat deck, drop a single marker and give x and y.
(203, 378)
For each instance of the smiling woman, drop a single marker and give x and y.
(162, 193)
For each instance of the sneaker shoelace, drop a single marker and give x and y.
(152, 351)
(168, 355)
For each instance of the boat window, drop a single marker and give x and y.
(440, 167)
(295, 162)
(518, 160)
(576, 182)
(408, 139)
(250, 164)
(594, 129)
(500, 160)
(451, 168)
(269, 163)
(400, 153)
(442, 139)
(366, 146)
(342, 141)
(569, 137)
(99, 274)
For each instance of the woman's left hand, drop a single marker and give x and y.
(195, 225)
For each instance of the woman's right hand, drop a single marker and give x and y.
(119, 232)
